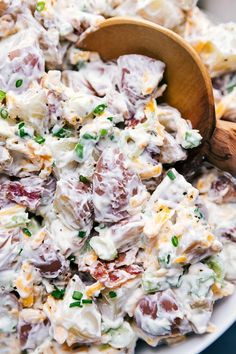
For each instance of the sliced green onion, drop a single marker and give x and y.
(111, 137)
(19, 83)
(88, 136)
(175, 241)
(2, 95)
(103, 132)
(82, 234)
(79, 149)
(230, 88)
(3, 113)
(58, 293)
(26, 231)
(112, 294)
(100, 109)
(39, 139)
(77, 295)
(171, 175)
(81, 64)
(71, 258)
(110, 118)
(84, 179)
(87, 301)
(40, 6)
(75, 304)
(198, 213)
(21, 128)
(62, 133)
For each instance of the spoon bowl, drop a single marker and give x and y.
(189, 87)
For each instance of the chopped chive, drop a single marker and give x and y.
(26, 231)
(112, 294)
(87, 301)
(81, 64)
(58, 293)
(168, 259)
(75, 304)
(2, 95)
(88, 136)
(71, 258)
(103, 132)
(100, 109)
(111, 137)
(77, 295)
(40, 6)
(230, 88)
(21, 128)
(3, 113)
(19, 83)
(21, 125)
(84, 179)
(110, 119)
(62, 133)
(79, 149)
(198, 213)
(39, 139)
(175, 241)
(171, 175)
(82, 234)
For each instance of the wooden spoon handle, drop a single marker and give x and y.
(221, 150)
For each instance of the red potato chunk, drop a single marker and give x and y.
(113, 187)
(152, 310)
(73, 200)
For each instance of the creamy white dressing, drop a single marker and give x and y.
(101, 242)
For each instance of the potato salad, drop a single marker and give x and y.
(102, 240)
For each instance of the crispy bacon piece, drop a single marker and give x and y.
(118, 272)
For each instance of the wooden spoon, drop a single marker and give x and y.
(189, 85)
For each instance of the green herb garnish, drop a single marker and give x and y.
(230, 88)
(71, 258)
(171, 175)
(82, 234)
(100, 109)
(77, 295)
(62, 133)
(88, 136)
(21, 128)
(112, 294)
(19, 83)
(39, 139)
(87, 301)
(175, 241)
(26, 231)
(110, 119)
(3, 113)
(79, 149)
(198, 213)
(75, 304)
(84, 179)
(103, 132)
(40, 6)
(58, 293)
(2, 95)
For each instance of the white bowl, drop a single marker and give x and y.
(224, 314)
